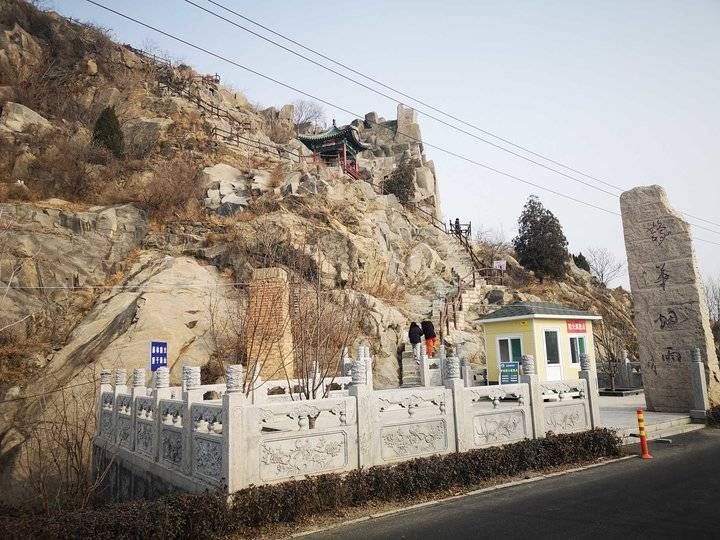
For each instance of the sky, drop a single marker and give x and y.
(625, 91)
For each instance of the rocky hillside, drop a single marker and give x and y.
(99, 253)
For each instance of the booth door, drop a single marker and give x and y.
(553, 363)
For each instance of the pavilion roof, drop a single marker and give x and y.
(335, 134)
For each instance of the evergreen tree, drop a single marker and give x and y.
(581, 262)
(107, 132)
(540, 245)
(401, 182)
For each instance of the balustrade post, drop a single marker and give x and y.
(105, 386)
(454, 383)
(162, 391)
(698, 386)
(368, 368)
(593, 393)
(138, 389)
(192, 393)
(234, 405)
(424, 369)
(364, 414)
(530, 377)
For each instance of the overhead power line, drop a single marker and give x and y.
(423, 103)
(352, 113)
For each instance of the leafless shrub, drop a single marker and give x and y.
(381, 286)
(493, 244)
(57, 454)
(604, 265)
(253, 330)
(174, 191)
(279, 132)
(614, 336)
(307, 113)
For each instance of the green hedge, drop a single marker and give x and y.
(208, 515)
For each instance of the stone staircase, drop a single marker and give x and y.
(660, 430)
(410, 370)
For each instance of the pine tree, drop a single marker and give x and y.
(581, 262)
(540, 245)
(107, 132)
(401, 182)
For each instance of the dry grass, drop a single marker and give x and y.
(174, 192)
(379, 286)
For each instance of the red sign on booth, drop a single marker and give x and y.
(576, 327)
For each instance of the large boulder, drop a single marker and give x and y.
(142, 134)
(18, 118)
(226, 188)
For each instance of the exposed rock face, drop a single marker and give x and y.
(670, 311)
(19, 118)
(53, 247)
(141, 134)
(168, 298)
(393, 142)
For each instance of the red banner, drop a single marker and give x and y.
(576, 327)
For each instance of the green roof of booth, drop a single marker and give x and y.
(536, 310)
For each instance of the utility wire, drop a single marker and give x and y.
(423, 103)
(343, 109)
(352, 113)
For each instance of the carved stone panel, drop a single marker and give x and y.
(566, 418)
(171, 447)
(145, 438)
(124, 431)
(106, 423)
(401, 441)
(500, 428)
(207, 457)
(298, 456)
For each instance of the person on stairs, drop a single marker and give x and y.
(431, 339)
(416, 336)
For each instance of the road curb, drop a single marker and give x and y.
(468, 494)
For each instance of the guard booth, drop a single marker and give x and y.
(553, 334)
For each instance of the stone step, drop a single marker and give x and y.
(661, 430)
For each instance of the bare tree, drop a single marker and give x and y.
(493, 243)
(321, 321)
(57, 453)
(614, 337)
(307, 113)
(712, 297)
(604, 265)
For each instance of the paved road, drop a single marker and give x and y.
(676, 495)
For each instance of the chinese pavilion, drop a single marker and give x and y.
(337, 145)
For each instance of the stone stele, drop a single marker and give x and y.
(671, 314)
(268, 328)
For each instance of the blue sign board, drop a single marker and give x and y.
(158, 354)
(509, 372)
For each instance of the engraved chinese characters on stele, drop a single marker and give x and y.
(670, 314)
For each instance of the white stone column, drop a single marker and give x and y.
(593, 394)
(120, 381)
(138, 389)
(698, 387)
(530, 377)
(234, 403)
(365, 418)
(105, 386)
(455, 384)
(192, 393)
(424, 370)
(162, 391)
(368, 368)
